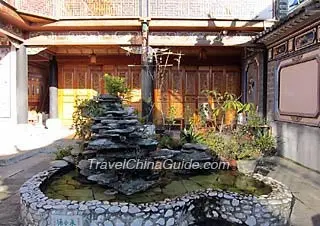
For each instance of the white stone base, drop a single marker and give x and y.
(54, 124)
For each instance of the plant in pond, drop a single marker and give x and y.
(85, 110)
(116, 85)
(63, 152)
(166, 141)
(190, 135)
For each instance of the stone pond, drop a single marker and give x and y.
(92, 190)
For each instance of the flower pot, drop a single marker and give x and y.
(233, 164)
(241, 119)
(247, 166)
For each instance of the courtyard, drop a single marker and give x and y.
(159, 112)
(302, 182)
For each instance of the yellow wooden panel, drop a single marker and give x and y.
(178, 109)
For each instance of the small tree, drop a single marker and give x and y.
(116, 85)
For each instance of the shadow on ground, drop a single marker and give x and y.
(12, 176)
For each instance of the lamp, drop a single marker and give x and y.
(93, 58)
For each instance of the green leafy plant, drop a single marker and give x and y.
(63, 152)
(240, 144)
(266, 143)
(166, 141)
(85, 110)
(254, 119)
(170, 120)
(115, 85)
(216, 142)
(190, 136)
(223, 104)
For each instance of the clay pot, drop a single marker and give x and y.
(233, 164)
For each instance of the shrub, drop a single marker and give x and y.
(240, 144)
(190, 136)
(63, 152)
(266, 143)
(168, 142)
(115, 85)
(85, 110)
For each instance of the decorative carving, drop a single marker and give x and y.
(290, 46)
(86, 37)
(252, 82)
(96, 80)
(296, 118)
(204, 81)
(280, 50)
(68, 83)
(136, 80)
(82, 79)
(306, 39)
(11, 29)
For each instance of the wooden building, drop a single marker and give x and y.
(60, 51)
(291, 82)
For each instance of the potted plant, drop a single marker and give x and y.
(253, 146)
(116, 86)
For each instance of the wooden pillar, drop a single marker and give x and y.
(22, 85)
(147, 74)
(53, 88)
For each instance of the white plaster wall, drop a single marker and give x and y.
(8, 71)
(299, 143)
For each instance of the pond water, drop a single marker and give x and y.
(67, 186)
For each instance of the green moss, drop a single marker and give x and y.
(191, 185)
(63, 187)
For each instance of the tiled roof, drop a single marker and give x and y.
(301, 12)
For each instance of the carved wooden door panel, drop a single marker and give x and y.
(123, 71)
(191, 93)
(176, 91)
(66, 94)
(135, 87)
(252, 83)
(203, 84)
(219, 80)
(161, 96)
(96, 79)
(233, 79)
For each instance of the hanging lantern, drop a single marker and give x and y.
(93, 58)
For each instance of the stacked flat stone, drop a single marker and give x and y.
(118, 136)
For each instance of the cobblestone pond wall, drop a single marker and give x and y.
(272, 209)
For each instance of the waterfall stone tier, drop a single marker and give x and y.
(122, 155)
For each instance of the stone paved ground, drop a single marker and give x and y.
(304, 183)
